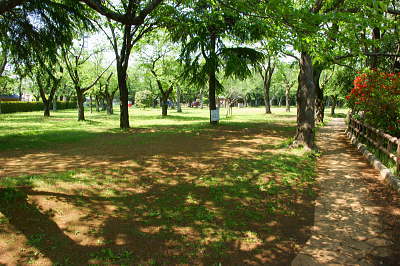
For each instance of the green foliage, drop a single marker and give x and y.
(144, 99)
(14, 107)
(341, 82)
(36, 29)
(201, 56)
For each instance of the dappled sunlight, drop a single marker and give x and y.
(226, 194)
(349, 224)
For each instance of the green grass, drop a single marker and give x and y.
(32, 130)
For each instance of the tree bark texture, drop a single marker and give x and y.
(305, 104)
(80, 100)
(212, 79)
(123, 92)
(164, 106)
(110, 108)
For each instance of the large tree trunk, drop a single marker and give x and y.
(287, 96)
(46, 112)
(81, 109)
(178, 100)
(319, 101)
(123, 92)
(212, 81)
(305, 104)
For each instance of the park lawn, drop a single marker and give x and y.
(168, 191)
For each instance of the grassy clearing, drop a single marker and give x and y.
(170, 191)
(30, 130)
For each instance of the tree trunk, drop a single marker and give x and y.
(20, 89)
(46, 102)
(376, 35)
(333, 106)
(305, 104)
(91, 104)
(54, 103)
(97, 103)
(123, 92)
(267, 77)
(212, 81)
(319, 101)
(287, 95)
(81, 109)
(267, 100)
(280, 101)
(46, 108)
(178, 100)
(164, 105)
(110, 107)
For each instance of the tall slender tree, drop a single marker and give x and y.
(135, 19)
(266, 71)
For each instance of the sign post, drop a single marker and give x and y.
(214, 115)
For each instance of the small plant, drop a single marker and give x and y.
(35, 239)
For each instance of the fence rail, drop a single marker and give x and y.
(385, 143)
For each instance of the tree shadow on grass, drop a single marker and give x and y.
(248, 211)
(176, 118)
(44, 139)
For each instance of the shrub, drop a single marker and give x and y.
(14, 107)
(377, 95)
(143, 99)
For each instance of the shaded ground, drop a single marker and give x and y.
(231, 195)
(357, 218)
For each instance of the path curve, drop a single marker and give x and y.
(349, 228)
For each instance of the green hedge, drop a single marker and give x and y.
(14, 107)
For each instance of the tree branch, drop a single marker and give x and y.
(126, 19)
(97, 79)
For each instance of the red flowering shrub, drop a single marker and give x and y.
(377, 95)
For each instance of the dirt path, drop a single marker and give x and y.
(356, 217)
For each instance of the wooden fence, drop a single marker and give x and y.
(385, 143)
